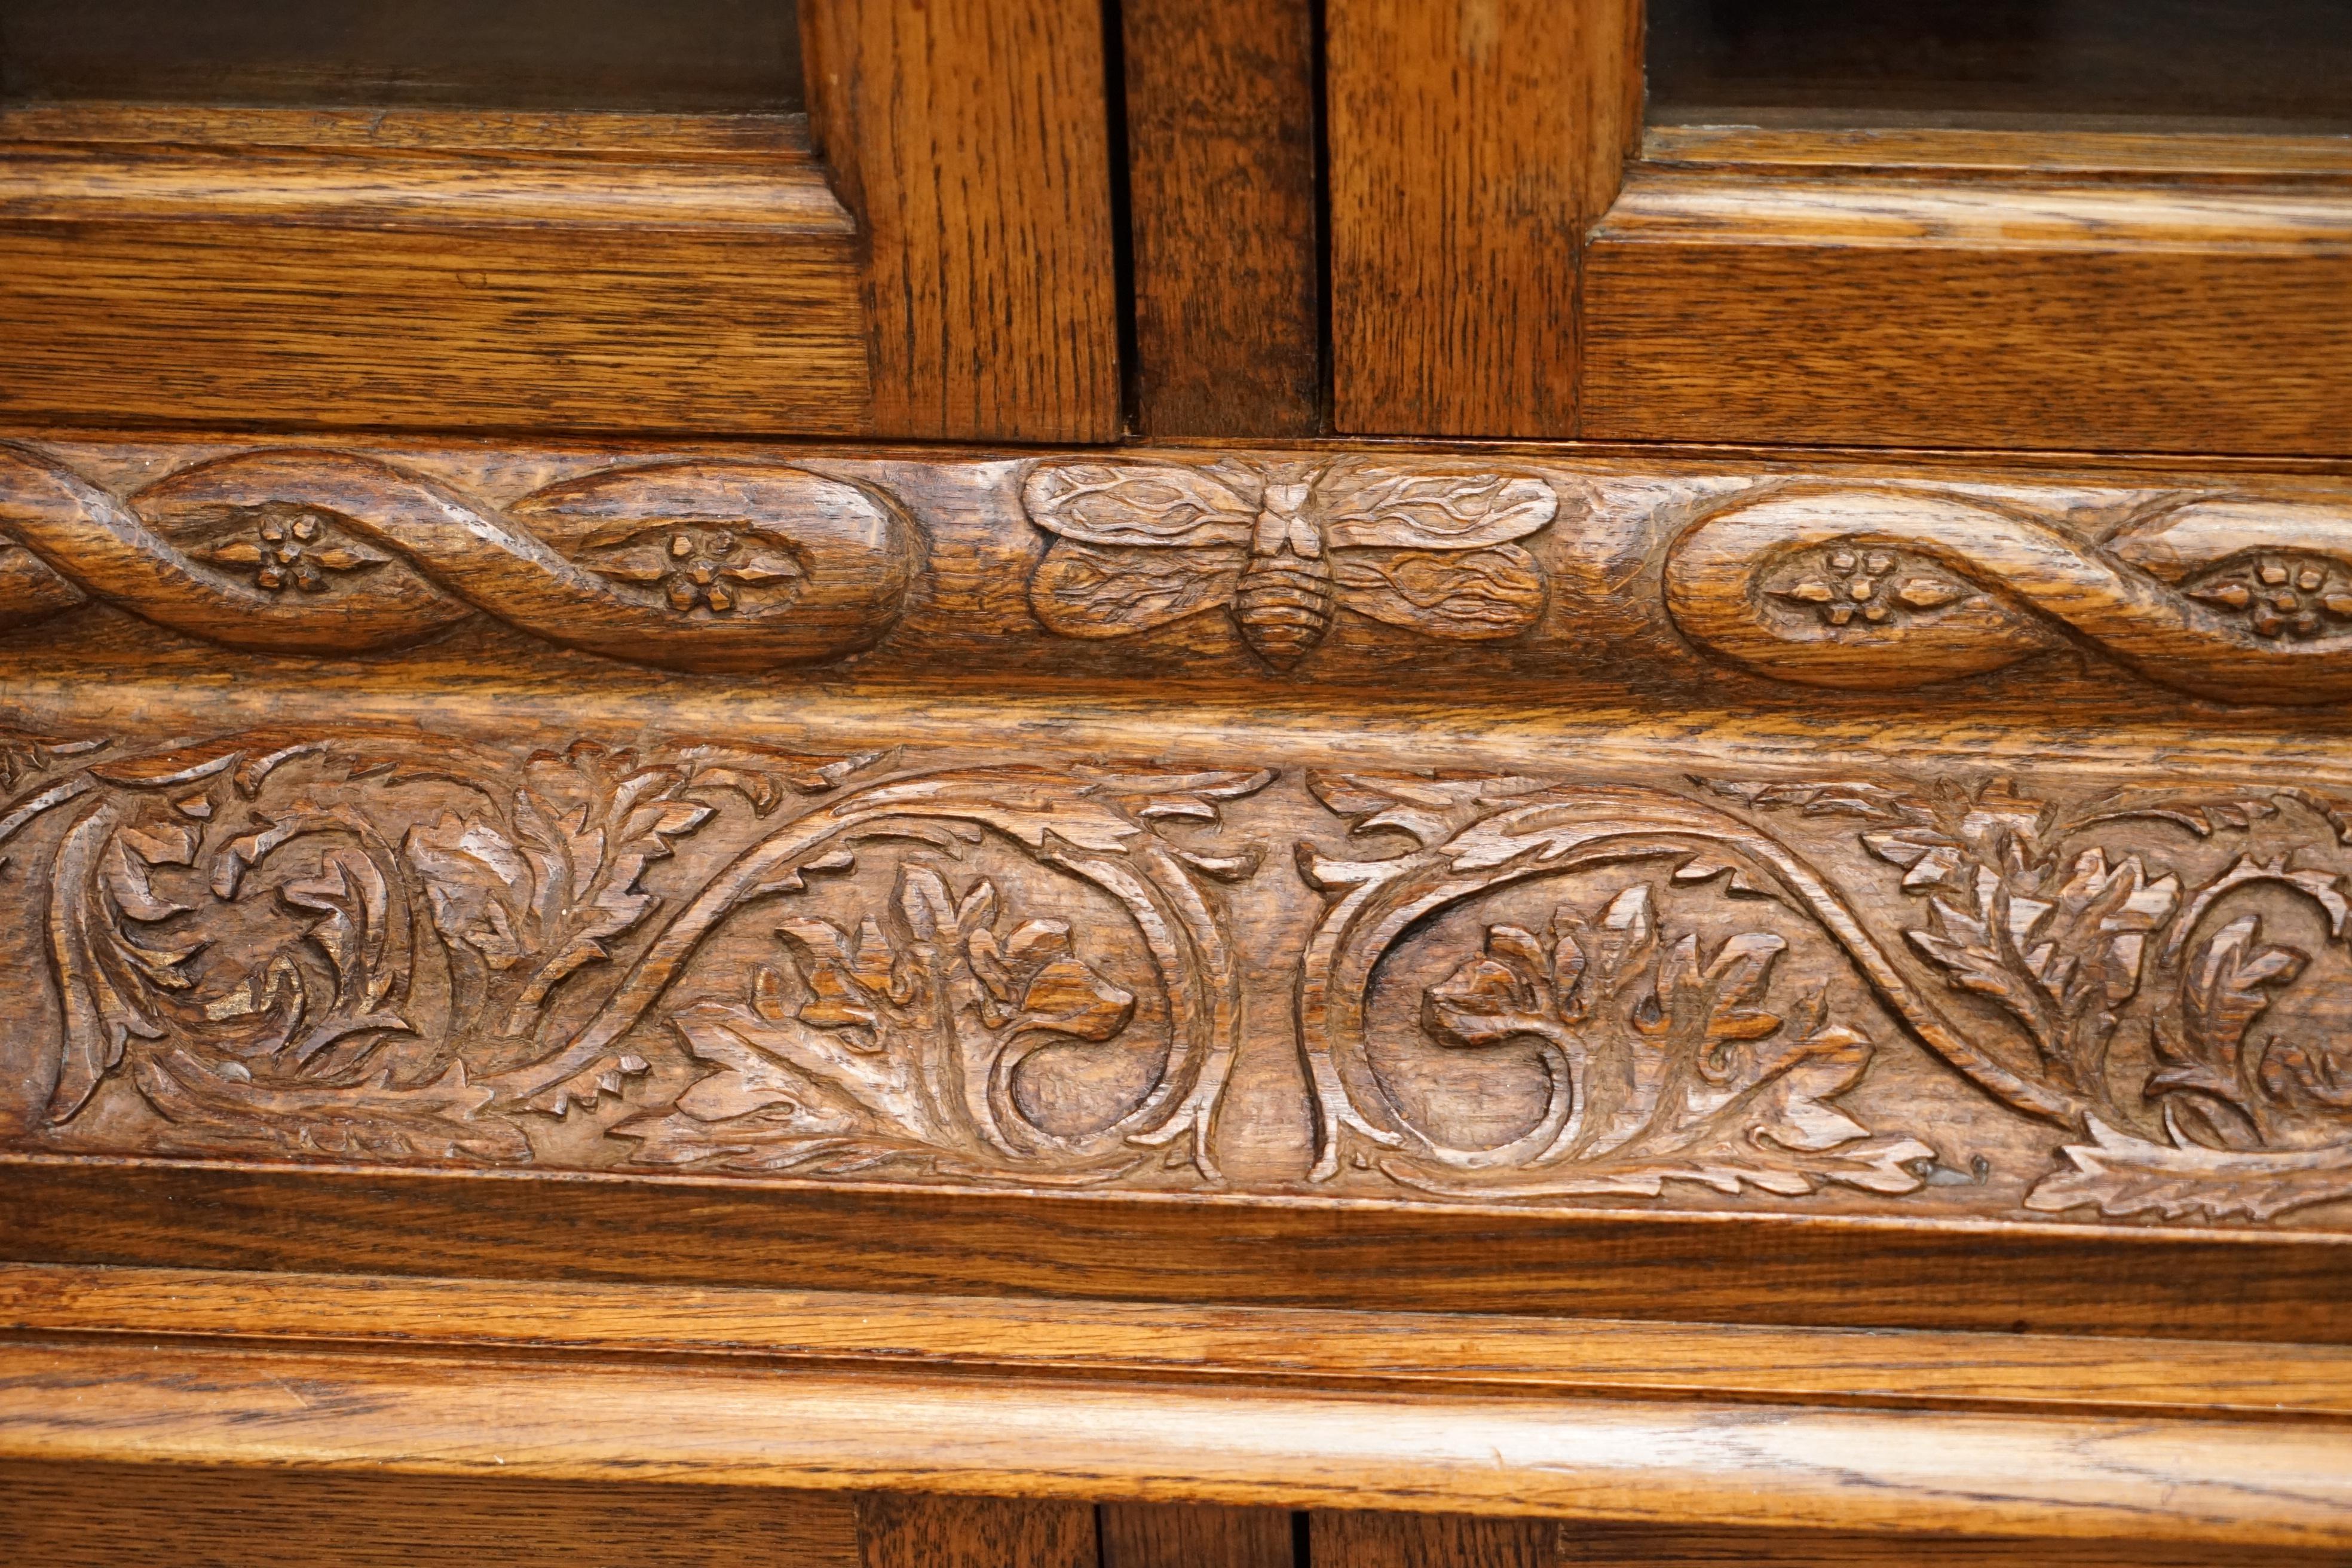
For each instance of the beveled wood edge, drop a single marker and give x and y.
(783, 196)
(1666, 204)
(1183, 1342)
(1955, 152)
(575, 134)
(1277, 1251)
(2228, 1483)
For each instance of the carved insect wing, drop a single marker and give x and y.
(1367, 506)
(1432, 551)
(1156, 505)
(1135, 546)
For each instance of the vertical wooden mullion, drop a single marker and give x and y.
(970, 140)
(1472, 145)
(1338, 1540)
(1224, 219)
(1196, 1535)
(905, 1530)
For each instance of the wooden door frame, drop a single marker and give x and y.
(943, 269)
(1513, 255)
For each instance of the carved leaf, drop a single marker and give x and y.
(2122, 1175)
(1686, 1072)
(445, 1119)
(2228, 985)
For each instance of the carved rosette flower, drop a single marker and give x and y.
(697, 567)
(1849, 583)
(2281, 597)
(290, 547)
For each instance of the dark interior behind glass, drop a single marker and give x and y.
(683, 55)
(2259, 64)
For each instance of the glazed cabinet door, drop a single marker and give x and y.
(839, 217)
(2087, 225)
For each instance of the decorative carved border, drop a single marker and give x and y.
(1902, 989)
(687, 565)
(1499, 576)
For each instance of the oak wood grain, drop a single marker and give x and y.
(1426, 1541)
(1470, 146)
(161, 1516)
(970, 140)
(1176, 1535)
(909, 1531)
(1587, 1545)
(1359, 1348)
(343, 287)
(2236, 1484)
(1221, 140)
(1969, 313)
(1937, 153)
(1755, 1268)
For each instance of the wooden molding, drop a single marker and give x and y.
(1701, 580)
(524, 1410)
(1830, 306)
(346, 285)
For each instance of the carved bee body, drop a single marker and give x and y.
(1284, 548)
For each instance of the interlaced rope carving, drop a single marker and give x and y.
(2237, 600)
(687, 565)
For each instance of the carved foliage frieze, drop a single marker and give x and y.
(1503, 577)
(376, 949)
(1908, 988)
(2158, 973)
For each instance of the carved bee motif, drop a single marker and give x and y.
(1283, 547)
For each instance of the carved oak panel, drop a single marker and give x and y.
(1764, 583)
(1930, 990)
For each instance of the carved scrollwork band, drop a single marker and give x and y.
(2227, 598)
(686, 565)
(1312, 566)
(731, 958)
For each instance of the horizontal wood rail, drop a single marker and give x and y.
(856, 1393)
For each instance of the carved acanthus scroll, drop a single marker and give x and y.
(390, 948)
(687, 565)
(2124, 986)
(2226, 598)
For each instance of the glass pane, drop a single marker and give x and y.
(682, 56)
(2276, 64)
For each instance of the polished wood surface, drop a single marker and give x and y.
(1087, 1431)
(1969, 313)
(1222, 140)
(143, 1515)
(343, 286)
(1164, 1535)
(1412, 1541)
(731, 838)
(969, 138)
(896, 1531)
(1757, 1269)
(1507, 122)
